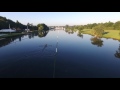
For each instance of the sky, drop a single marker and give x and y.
(62, 18)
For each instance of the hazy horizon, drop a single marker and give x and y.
(62, 18)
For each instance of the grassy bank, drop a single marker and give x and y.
(11, 35)
(114, 34)
(86, 31)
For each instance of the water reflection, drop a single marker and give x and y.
(19, 38)
(43, 58)
(42, 33)
(7, 41)
(44, 47)
(70, 31)
(97, 41)
(117, 54)
(31, 35)
(80, 34)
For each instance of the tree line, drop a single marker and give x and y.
(4, 24)
(106, 26)
(97, 29)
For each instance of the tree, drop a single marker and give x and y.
(66, 27)
(108, 25)
(80, 28)
(98, 31)
(4, 24)
(42, 27)
(117, 25)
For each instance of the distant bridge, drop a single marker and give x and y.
(57, 27)
(51, 27)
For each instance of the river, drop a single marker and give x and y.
(59, 54)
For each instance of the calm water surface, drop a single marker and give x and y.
(59, 54)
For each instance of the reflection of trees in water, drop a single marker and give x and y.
(7, 41)
(69, 31)
(31, 35)
(80, 34)
(97, 41)
(117, 54)
(42, 33)
(19, 38)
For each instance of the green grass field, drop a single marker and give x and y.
(108, 33)
(86, 31)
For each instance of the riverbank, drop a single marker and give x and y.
(11, 35)
(2, 38)
(114, 34)
(7, 35)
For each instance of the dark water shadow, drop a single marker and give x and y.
(71, 31)
(43, 33)
(97, 41)
(9, 40)
(80, 34)
(117, 54)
